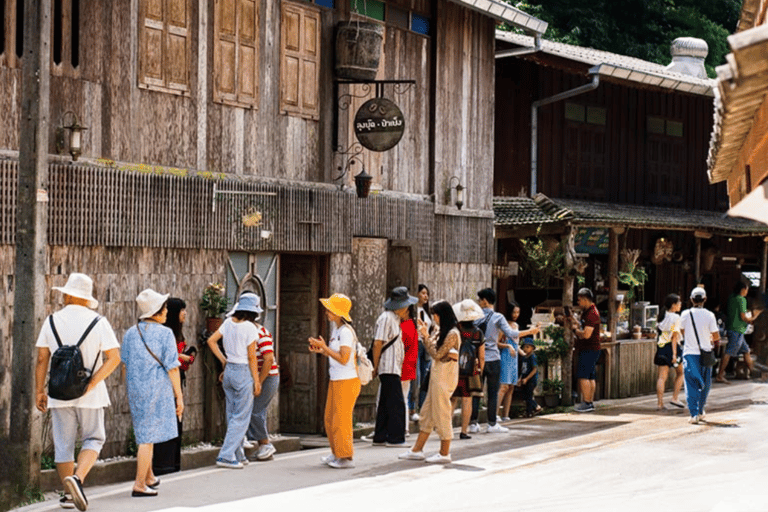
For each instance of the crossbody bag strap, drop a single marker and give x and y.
(389, 344)
(695, 331)
(138, 328)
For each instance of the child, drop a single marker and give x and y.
(529, 377)
(240, 379)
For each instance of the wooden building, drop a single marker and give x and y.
(738, 155)
(219, 148)
(607, 152)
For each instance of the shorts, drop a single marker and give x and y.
(64, 422)
(737, 344)
(666, 353)
(585, 368)
(462, 388)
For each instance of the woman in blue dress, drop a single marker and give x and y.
(508, 349)
(152, 378)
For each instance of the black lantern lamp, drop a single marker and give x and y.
(459, 192)
(75, 136)
(363, 184)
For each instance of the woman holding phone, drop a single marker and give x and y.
(344, 386)
(437, 412)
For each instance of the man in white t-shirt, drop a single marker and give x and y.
(87, 412)
(700, 332)
(388, 354)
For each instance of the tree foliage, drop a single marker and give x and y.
(638, 28)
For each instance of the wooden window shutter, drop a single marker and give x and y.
(177, 45)
(300, 60)
(164, 45)
(152, 36)
(236, 56)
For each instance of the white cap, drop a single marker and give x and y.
(699, 293)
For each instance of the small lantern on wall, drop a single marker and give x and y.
(459, 192)
(75, 130)
(363, 184)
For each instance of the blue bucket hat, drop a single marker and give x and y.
(249, 302)
(399, 299)
(527, 341)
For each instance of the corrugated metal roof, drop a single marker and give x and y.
(522, 211)
(506, 13)
(617, 66)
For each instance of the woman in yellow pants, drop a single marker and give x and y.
(344, 386)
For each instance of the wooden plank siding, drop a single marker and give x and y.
(521, 81)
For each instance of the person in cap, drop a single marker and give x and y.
(466, 312)
(388, 355)
(699, 329)
(437, 412)
(269, 377)
(587, 343)
(344, 385)
(529, 376)
(240, 378)
(492, 324)
(153, 384)
(100, 351)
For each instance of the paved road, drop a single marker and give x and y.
(625, 456)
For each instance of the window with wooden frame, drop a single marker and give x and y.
(236, 52)
(300, 60)
(664, 161)
(164, 41)
(585, 156)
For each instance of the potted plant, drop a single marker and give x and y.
(214, 303)
(553, 388)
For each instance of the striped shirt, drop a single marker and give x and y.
(264, 346)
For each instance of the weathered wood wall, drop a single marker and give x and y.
(520, 82)
(119, 274)
(454, 281)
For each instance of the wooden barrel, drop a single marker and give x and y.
(358, 49)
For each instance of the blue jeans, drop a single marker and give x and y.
(530, 401)
(422, 374)
(257, 430)
(238, 390)
(736, 344)
(698, 380)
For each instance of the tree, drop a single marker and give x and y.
(642, 29)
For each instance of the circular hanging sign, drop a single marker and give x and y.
(379, 124)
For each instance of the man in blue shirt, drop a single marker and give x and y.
(492, 324)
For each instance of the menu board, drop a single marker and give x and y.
(592, 240)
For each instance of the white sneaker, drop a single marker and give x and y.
(368, 438)
(415, 417)
(411, 455)
(505, 418)
(265, 451)
(342, 464)
(474, 428)
(229, 464)
(328, 459)
(496, 429)
(694, 420)
(439, 459)
(703, 415)
(247, 444)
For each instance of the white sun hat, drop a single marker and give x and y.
(467, 311)
(150, 302)
(80, 286)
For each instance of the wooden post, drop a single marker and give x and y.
(613, 281)
(31, 221)
(764, 265)
(569, 252)
(697, 262)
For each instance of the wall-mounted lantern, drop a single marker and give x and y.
(75, 135)
(363, 183)
(459, 191)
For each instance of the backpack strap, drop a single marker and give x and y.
(55, 332)
(87, 331)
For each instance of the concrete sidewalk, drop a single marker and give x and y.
(531, 445)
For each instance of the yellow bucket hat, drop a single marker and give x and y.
(338, 304)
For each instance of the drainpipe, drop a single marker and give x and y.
(521, 51)
(595, 74)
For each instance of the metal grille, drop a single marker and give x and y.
(106, 206)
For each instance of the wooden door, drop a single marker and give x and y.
(401, 266)
(301, 396)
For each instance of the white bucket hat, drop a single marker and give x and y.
(467, 311)
(150, 302)
(80, 286)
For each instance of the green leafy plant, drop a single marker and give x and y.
(631, 274)
(542, 261)
(557, 349)
(553, 386)
(213, 301)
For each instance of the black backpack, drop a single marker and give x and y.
(467, 355)
(68, 376)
